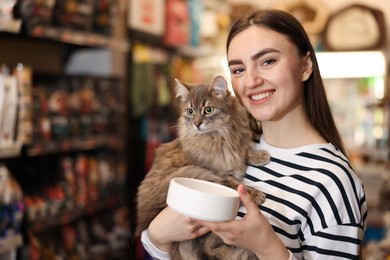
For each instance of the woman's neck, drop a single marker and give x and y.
(291, 132)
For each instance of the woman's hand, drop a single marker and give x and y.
(170, 226)
(253, 232)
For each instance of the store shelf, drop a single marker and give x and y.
(68, 145)
(69, 216)
(10, 243)
(83, 38)
(91, 148)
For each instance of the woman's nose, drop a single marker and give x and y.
(253, 79)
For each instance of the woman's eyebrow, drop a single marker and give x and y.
(234, 62)
(262, 52)
(253, 57)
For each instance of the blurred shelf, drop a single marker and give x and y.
(77, 144)
(10, 242)
(70, 36)
(83, 38)
(68, 216)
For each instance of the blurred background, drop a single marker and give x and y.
(86, 95)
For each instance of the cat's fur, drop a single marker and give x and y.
(214, 147)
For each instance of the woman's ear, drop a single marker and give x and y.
(307, 67)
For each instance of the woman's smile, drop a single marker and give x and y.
(261, 96)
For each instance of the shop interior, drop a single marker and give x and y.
(86, 96)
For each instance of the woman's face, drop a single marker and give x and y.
(267, 73)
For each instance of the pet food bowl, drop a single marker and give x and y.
(203, 200)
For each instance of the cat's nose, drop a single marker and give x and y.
(198, 123)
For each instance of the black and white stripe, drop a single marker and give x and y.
(315, 201)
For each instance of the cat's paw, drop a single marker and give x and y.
(257, 196)
(259, 158)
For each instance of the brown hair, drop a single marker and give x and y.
(316, 103)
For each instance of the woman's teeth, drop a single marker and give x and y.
(262, 95)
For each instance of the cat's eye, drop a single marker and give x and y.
(190, 111)
(208, 110)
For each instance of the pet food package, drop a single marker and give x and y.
(2, 90)
(10, 191)
(147, 16)
(177, 23)
(11, 214)
(35, 12)
(7, 21)
(195, 8)
(74, 14)
(8, 109)
(23, 75)
(103, 15)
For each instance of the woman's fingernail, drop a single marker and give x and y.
(243, 190)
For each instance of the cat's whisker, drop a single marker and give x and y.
(174, 126)
(170, 128)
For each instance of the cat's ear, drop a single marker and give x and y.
(219, 87)
(181, 90)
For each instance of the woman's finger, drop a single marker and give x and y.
(246, 199)
(202, 231)
(215, 226)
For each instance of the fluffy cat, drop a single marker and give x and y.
(214, 144)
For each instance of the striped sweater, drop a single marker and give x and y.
(315, 202)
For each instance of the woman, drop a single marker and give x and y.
(315, 207)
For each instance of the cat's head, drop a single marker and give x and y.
(205, 108)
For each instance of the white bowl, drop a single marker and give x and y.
(203, 200)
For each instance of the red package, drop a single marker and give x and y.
(177, 23)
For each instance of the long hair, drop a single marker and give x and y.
(316, 103)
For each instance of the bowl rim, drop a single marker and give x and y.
(183, 199)
(228, 192)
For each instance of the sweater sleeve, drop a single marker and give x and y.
(161, 255)
(153, 251)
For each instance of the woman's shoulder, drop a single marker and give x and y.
(314, 185)
(315, 177)
(323, 166)
(323, 157)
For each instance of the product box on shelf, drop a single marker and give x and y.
(8, 109)
(11, 212)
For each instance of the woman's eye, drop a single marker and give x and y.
(208, 110)
(190, 111)
(237, 70)
(269, 62)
